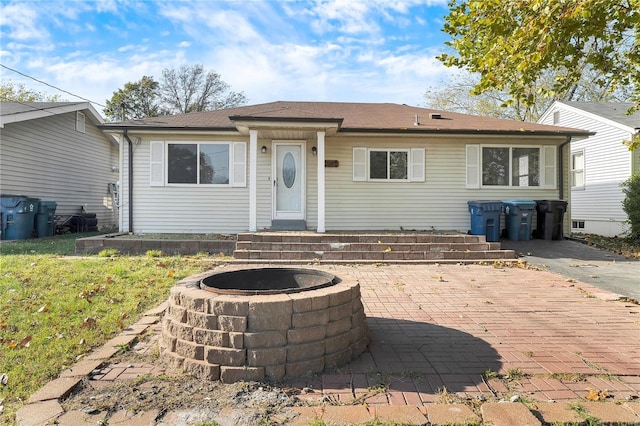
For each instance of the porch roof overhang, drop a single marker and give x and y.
(286, 128)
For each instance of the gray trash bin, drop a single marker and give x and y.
(18, 216)
(45, 225)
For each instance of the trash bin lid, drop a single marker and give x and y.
(485, 204)
(523, 204)
(9, 201)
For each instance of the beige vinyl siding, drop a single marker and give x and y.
(47, 158)
(607, 163)
(264, 187)
(185, 208)
(265, 184)
(439, 203)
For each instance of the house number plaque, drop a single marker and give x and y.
(331, 163)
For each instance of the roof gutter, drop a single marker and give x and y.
(130, 179)
(561, 168)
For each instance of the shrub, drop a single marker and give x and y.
(631, 205)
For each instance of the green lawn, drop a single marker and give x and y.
(54, 309)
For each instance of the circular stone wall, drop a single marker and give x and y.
(256, 337)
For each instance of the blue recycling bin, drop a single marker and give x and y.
(485, 218)
(45, 225)
(517, 217)
(18, 215)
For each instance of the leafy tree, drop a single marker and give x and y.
(191, 89)
(136, 100)
(458, 95)
(18, 92)
(631, 205)
(514, 44)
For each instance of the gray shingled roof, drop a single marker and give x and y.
(614, 111)
(351, 117)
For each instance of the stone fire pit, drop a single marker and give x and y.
(266, 323)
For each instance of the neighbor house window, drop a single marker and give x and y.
(577, 169)
(508, 166)
(392, 165)
(198, 163)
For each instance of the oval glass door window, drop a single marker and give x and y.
(288, 170)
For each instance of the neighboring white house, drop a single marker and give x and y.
(599, 163)
(54, 151)
(330, 166)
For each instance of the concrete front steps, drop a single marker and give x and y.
(304, 247)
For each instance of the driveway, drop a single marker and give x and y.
(572, 259)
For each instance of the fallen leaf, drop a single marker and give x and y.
(570, 280)
(89, 322)
(170, 274)
(596, 395)
(24, 343)
(387, 250)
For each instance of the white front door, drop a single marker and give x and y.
(289, 181)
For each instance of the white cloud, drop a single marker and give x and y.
(21, 20)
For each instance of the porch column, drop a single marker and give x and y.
(321, 206)
(253, 180)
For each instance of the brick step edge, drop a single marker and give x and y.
(375, 256)
(359, 238)
(377, 246)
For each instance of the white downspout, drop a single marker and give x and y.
(321, 183)
(253, 180)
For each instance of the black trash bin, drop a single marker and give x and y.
(550, 219)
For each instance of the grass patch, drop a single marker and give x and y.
(64, 245)
(55, 309)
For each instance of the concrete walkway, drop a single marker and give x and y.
(450, 344)
(574, 259)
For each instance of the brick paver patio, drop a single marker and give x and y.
(452, 334)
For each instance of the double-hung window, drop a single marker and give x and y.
(507, 166)
(389, 165)
(198, 163)
(577, 169)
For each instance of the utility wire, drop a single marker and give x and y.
(50, 85)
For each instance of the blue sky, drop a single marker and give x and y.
(333, 50)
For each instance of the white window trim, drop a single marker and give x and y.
(415, 164)
(544, 164)
(159, 164)
(573, 183)
(388, 151)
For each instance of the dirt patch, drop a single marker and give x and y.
(182, 399)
